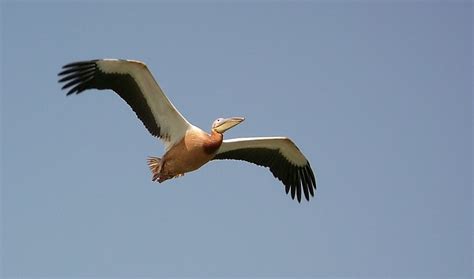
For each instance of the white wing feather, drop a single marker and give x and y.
(283, 144)
(171, 122)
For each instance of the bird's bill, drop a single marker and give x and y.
(228, 123)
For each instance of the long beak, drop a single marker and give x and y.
(228, 123)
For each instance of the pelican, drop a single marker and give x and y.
(187, 147)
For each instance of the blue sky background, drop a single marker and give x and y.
(378, 95)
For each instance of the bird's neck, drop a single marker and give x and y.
(213, 143)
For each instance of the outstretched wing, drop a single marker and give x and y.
(134, 83)
(280, 154)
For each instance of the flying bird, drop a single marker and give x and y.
(187, 147)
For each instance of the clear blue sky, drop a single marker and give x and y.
(377, 95)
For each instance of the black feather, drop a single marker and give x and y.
(296, 179)
(84, 75)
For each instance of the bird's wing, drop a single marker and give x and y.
(280, 154)
(134, 83)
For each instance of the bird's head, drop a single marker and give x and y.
(221, 125)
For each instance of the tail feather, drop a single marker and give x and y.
(154, 163)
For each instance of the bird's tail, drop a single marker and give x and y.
(154, 163)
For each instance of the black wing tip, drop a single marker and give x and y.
(304, 183)
(311, 175)
(77, 75)
(301, 181)
(79, 64)
(72, 91)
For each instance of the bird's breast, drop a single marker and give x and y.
(193, 151)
